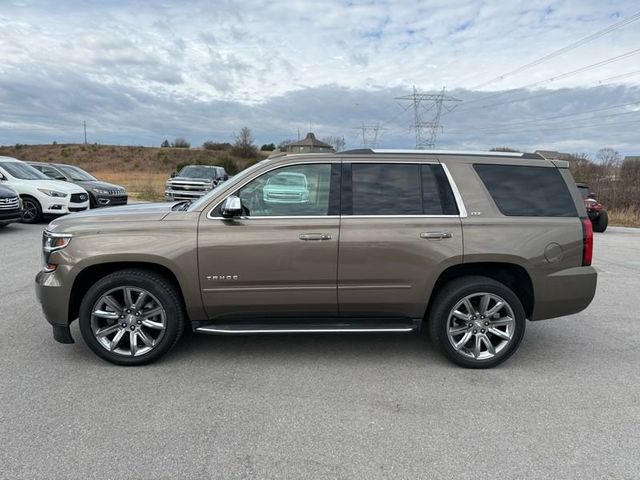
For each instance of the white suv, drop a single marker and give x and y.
(41, 195)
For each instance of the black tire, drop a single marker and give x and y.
(32, 209)
(155, 284)
(454, 292)
(600, 224)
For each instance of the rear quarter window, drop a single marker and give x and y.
(527, 191)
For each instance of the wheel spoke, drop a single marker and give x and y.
(140, 301)
(487, 342)
(501, 322)
(462, 316)
(469, 307)
(133, 341)
(152, 324)
(113, 303)
(108, 330)
(477, 346)
(152, 313)
(495, 309)
(128, 300)
(106, 315)
(484, 304)
(145, 339)
(116, 340)
(499, 333)
(458, 330)
(462, 341)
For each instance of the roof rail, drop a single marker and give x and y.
(373, 151)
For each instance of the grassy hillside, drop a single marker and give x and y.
(142, 170)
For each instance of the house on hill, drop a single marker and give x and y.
(309, 144)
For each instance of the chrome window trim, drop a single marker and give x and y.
(275, 167)
(454, 188)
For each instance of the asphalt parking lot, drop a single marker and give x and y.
(567, 405)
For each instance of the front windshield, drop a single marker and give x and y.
(205, 199)
(23, 171)
(75, 173)
(198, 171)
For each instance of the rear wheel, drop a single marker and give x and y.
(31, 210)
(131, 317)
(477, 322)
(600, 224)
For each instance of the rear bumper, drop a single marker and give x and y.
(564, 293)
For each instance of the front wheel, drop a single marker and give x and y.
(600, 224)
(131, 317)
(31, 210)
(477, 322)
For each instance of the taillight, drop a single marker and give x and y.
(587, 242)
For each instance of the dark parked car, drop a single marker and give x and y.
(10, 206)
(596, 211)
(101, 194)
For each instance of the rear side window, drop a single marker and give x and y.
(397, 189)
(527, 191)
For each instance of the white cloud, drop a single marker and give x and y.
(141, 71)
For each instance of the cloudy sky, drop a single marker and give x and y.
(141, 71)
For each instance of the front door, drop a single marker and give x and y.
(400, 228)
(280, 258)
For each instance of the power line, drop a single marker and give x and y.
(528, 97)
(370, 134)
(560, 51)
(427, 132)
(566, 115)
(564, 75)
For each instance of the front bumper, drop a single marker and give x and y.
(53, 296)
(109, 200)
(178, 195)
(564, 293)
(56, 207)
(10, 216)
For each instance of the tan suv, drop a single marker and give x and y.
(357, 241)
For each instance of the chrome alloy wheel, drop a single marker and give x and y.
(128, 321)
(481, 325)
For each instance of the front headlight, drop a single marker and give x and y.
(52, 193)
(52, 242)
(100, 191)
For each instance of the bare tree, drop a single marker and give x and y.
(336, 142)
(181, 143)
(244, 146)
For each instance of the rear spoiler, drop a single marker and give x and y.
(557, 163)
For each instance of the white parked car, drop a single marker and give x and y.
(40, 195)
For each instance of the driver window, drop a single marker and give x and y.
(297, 190)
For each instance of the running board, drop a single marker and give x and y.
(243, 329)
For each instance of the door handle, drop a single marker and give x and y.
(435, 235)
(315, 236)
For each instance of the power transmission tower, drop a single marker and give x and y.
(370, 134)
(427, 132)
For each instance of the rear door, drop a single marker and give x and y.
(400, 227)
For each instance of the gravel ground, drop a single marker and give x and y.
(567, 405)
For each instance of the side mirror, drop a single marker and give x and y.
(64, 179)
(2, 177)
(173, 174)
(591, 195)
(231, 207)
(226, 177)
